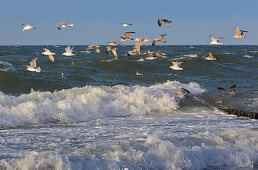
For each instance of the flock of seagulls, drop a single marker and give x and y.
(135, 51)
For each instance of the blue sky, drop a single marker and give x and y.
(99, 21)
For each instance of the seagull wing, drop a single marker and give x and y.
(127, 34)
(232, 87)
(160, 21)
(149, 53)
(220, 88)
(46, 50)
(33, 62)
(114, 52)
(161, 37)
(183, 89)
(108, 48)
(51, 58)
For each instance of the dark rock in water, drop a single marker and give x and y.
(239, 113)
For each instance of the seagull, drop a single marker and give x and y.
(231, 90)
(27, 27)
(159, 53)
(49, 54)
(68, 51)
(127, 36)
(63, 25)
(159, 39)
(126, 24)
(175, 65)
(165, 21)
(113, 43)
(138, 43)
(94, 47)
(182, 92)
(108, 48)
(214, 41)
(138, 74)
(210, 57)
(150, 56)
(33, 66)
(133, 52)
(239, 33)
(32, 90)
(62, 76)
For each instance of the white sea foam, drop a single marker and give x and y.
(227, 150)
(247, 56)
(90, 102)
(186, 56)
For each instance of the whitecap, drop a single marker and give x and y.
(247, 56)
(90, 102)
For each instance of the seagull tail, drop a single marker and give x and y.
(70, 25)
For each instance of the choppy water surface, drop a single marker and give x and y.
(103, 116)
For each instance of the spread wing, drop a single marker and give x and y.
(232, 87)
(161, 37)
(149, 53)
(108, 48)
(160, 21)
(127, 34)
(114, 52)
(51, 58)
(33, 62)
(46, 50)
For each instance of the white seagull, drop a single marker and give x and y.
(33, 66)
(215, 41)
(176, 65)
(49, 54)
(63, 25)
(27, 27)
(210, 57)
(150, 56)
(126, 24)
(68, 51)
(239, 33)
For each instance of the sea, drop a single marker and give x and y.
(102, 116)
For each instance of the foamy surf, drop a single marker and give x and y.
(90, 102)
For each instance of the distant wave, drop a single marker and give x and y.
(90, 102)
(5, 66)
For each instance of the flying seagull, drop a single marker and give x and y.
(63, 25)
(108, 48)
(165, 21)
(182, 92)
(49, 54)
(133, 52)
(159, 53)
(113, 43)
(231, 90)
(138, 74)
(176, 65)
(215, 41)
(126, 24)
(127, 36)
(33, 66)
(68, 51)
(239, 33)
(159, 39)
(138, 43)
(210, 57)
(94, 47)
(150, 56)
(27, 27)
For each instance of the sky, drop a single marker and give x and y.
(99, 21)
